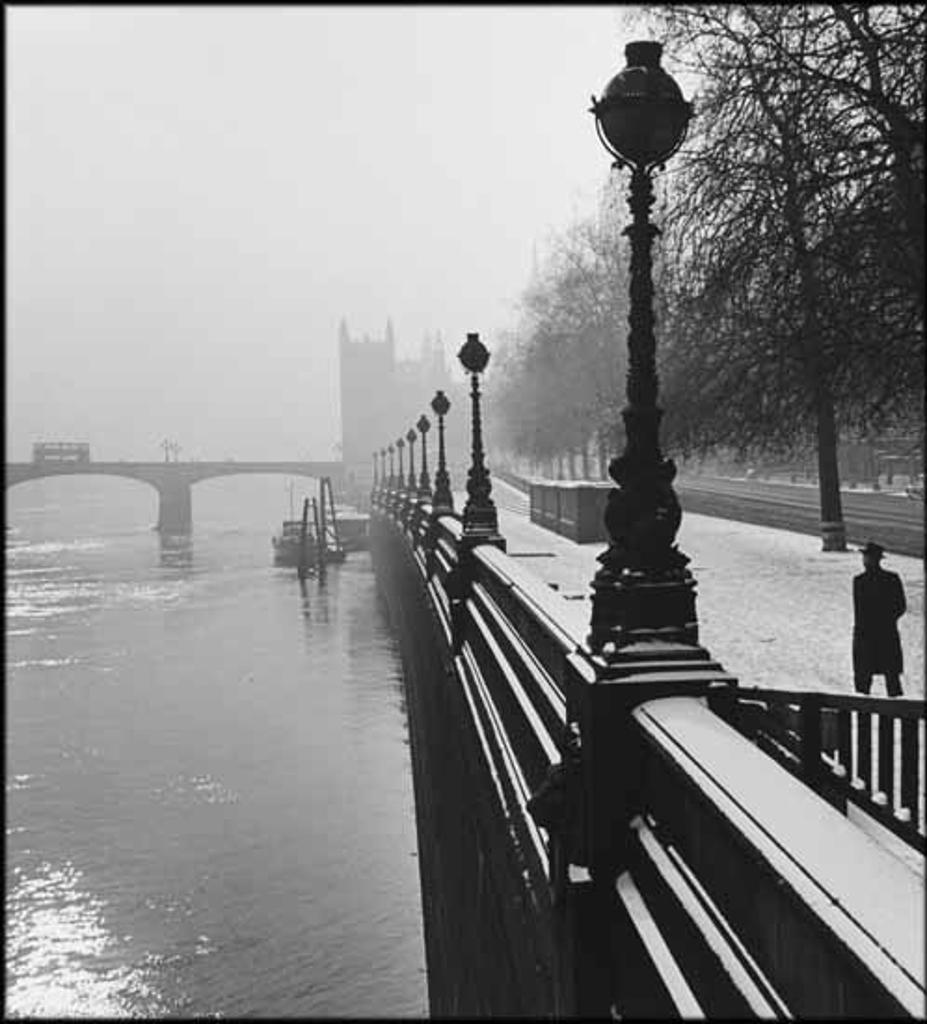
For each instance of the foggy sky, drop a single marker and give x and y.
(197, 196)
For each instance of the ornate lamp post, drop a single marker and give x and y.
(424, 484)
(480, 523)
(411, 486)
(401, 478)
(643, 590)
(376, 478)
(392, 477)
(412, 437)
(443, 499)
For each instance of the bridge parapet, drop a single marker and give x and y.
(172, 480)
(579, 828)
(167, 473)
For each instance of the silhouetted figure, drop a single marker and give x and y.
(878, 603)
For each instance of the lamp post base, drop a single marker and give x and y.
(469, 539)
(480, 521)
(635, 607)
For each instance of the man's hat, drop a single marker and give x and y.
(871, 548)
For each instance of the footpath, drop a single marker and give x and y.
(772, 607)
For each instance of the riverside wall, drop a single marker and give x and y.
(489, 935)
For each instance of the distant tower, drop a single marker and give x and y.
(369, 419)
(382, 397)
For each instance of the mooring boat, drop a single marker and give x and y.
(288, 542)
(352, 528)
(327, 535)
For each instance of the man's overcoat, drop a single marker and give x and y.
(878, 603)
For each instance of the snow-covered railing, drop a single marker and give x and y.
(814, 918)
(487, 725)
(511, 656)
(625, 807)
(867, 751)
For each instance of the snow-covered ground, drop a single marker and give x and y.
(773, 608)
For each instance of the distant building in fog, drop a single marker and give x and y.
(382, 397)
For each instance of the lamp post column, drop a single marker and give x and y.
(424, 484)
(642, 416)
(399, 502)
(412, 437)
(412, 484)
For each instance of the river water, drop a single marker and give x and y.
(209, 804)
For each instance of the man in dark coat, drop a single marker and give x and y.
(878, 603)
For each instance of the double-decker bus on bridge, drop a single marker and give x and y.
(60, 451)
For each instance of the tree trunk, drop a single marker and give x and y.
(584, 451)
(833, 528)
(571, 463)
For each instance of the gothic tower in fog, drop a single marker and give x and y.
(382, 397)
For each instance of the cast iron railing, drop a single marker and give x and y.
(613, 770)
(867, 751)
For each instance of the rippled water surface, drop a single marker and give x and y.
(208, 793)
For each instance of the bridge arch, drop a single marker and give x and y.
(86, 506)
(172, 480)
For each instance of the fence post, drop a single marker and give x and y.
(457, 585)
(812, 770)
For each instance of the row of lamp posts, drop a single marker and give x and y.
(401, 492)
(643, 590)
(418, 488)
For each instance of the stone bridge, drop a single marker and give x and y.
(172, 480)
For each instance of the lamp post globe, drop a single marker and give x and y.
(642, 117)
(440, 405)
(473, 354)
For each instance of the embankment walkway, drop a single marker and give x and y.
(639, 836)
(773, 608)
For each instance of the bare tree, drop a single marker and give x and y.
(778, 302)
(564, 364)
